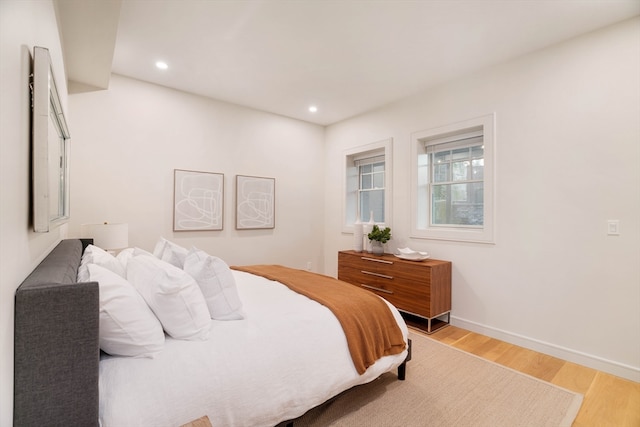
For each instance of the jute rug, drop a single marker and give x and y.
(448, 387)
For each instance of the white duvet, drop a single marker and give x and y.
(287, 356)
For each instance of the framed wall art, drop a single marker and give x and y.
(255, 202)
(197, 200)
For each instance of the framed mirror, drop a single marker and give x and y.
(50, 147)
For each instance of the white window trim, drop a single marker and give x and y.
(361, 152)
(486, 234)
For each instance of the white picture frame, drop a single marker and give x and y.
(198, 201)
(255, 202)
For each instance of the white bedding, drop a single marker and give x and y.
(287, 356)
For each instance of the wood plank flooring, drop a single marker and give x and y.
(608, 400)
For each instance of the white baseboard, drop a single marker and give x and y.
(609, 366)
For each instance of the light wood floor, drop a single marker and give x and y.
(608, 400)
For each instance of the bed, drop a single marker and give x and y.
(281, 355)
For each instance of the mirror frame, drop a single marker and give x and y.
(48, 118)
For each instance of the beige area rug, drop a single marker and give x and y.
(448, 387)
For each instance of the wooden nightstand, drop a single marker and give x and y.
(421, 290)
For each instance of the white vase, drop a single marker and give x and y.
(358, 235)
(367, 229)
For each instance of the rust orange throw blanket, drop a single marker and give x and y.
(368, 324)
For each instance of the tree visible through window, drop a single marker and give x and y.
(457, 184)
(453, 181)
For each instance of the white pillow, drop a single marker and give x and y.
(218, 286)
(94, 255)
(173, 295)
(170, 252)
(127, 325)
(124, 256)
(138, 251)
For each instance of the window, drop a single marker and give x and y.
(456, 181)
(453, 182)
(368, 184)
(371, 188)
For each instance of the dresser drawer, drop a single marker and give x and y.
(400, 269)
(410, 296)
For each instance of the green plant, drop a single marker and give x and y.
(381, 236)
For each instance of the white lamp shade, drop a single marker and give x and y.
(107, 236)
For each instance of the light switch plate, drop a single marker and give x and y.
(613, 227)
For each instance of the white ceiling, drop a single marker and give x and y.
(345, 56)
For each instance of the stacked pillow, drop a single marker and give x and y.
(216, 281)
(144, 295)
(128, 327)
(170, 252)
(95, 255)
(212, 274)
(172, 295)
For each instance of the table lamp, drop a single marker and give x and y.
(110, 237)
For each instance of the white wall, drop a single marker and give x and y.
(127, 140)
(568, 152)
(23, 25)
(568, 149)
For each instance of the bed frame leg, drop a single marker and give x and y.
(402, 369)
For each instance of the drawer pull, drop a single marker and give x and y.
(371, 273)
(376, 260)
(373, 288)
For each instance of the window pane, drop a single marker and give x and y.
(378, 167)
(365, 168)
(460, 153)
(467, 206)
(477, 151)
(460, 171)
(372, 201)
(442, 156)
(477, 169)
(365, 182)
(458, 204)
(378, 180)
(441, 172)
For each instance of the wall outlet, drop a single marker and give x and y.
(308, 265)
(613, 227)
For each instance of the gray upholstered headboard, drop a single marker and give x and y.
(56, 353)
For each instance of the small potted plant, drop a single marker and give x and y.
(378, 238)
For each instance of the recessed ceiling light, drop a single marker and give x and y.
(162, 65)
(313, 109)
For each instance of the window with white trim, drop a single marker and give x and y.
(368, 184)
(456, 180)
(453, 182)
(371, 187)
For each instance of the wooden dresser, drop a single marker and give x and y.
(420, 289)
